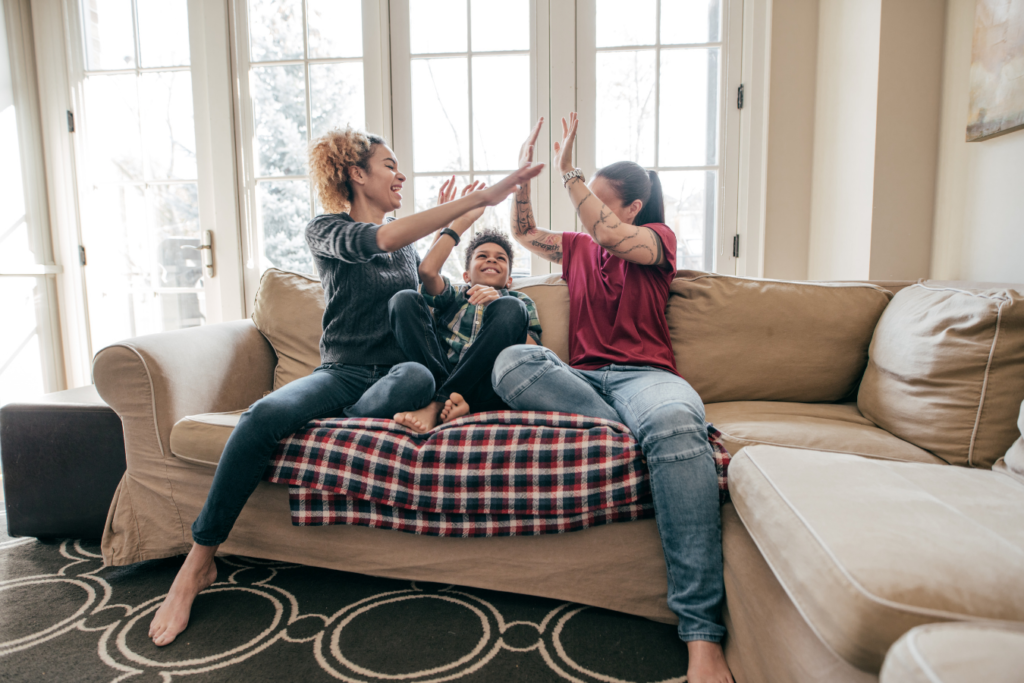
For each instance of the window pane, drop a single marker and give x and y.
(283, 212)
(279, 109)
(112, 129)
(163, 32)
(501, 106)
(275, 30)
(437, 26)
(168, 129)
(689, 107)
(427, 188)
(690, 211)
(625, 115)
(440, 114)
(109, 34)
(336, 96)
(335, 28)
(500, 25)
(691, 21)
(21, 368)
(633, 26)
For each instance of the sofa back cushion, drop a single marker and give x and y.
(289, 312)
(551, 295)
(946, 371)
(741, 339)
(1015, 456)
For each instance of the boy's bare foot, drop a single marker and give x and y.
(422, 420)
(707, 663)
(196, 575)
(454, 408)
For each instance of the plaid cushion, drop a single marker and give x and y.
(488, 474)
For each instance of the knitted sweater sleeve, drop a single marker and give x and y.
(337, 236)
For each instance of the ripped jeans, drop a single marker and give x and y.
(666, 416)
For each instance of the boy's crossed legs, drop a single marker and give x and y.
(467, 384)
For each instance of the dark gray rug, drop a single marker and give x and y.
(64, 617)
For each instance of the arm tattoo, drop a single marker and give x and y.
(589, 194)
(661, 247)
(554, 251)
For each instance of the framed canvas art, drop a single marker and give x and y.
(997, 69)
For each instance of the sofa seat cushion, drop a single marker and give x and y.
(201, 438)
(868, 549)
(956, 653)
(818, 426)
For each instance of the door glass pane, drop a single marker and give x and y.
(163, 32)
(283, 212)
(501, 25)
(275, 30)
(112, 128)
(689, 100)
(691, 21)
(625, 117)
(618, 26)
(279, 104)
(499, 217)
(168, 128)
(336, 96)
(495, 114)
(437, 26)
(21, 368)
(109, 35)
(690, 212)
(335, 28)
(440, 114)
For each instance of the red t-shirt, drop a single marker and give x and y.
(617, 308)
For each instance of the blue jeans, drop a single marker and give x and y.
(333, 390)
(666, 416)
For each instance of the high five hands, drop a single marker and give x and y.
(563, 150)
(447, 193)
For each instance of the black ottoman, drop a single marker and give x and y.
(63, 456)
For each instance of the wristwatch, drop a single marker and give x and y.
(451, 233)
(574, 173)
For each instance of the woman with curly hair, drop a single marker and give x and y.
(622, 367)
(363, 258)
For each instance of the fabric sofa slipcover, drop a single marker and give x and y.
(167, 388)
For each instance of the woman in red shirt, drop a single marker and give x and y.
(622, 368)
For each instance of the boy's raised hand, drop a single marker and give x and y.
(466, 220)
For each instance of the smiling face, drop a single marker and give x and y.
(488, 266)
(609, 196)
(381, 183)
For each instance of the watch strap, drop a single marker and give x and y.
(451, 233)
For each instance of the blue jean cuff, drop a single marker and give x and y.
(710, 637)
(206, 542)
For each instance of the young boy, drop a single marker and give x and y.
(471, 323)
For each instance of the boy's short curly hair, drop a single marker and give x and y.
(493, 237)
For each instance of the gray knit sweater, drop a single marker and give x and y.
(358, 279)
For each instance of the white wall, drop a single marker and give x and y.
(844, 139)
(6, 87)
(979, 204)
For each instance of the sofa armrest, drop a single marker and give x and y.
(153, 381)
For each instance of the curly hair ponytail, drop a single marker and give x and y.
(330, 157)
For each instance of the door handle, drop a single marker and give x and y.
(206, 249)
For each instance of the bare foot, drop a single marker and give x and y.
(707, 663)
(454, 408)
(422, 420)
(196, 575)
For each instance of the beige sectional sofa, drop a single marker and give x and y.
(864, 433)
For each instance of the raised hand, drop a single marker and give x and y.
(463, 222)
(495, 194)
(447, 191)
(563, 150)
(526, 151)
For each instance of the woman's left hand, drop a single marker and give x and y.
(563, 150)
(482, 294)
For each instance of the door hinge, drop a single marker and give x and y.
(81, 254)
(71, 122)
(739, 97)
(735, 246)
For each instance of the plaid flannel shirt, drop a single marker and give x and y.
(460, 321)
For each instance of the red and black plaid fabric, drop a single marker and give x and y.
(489, 474)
